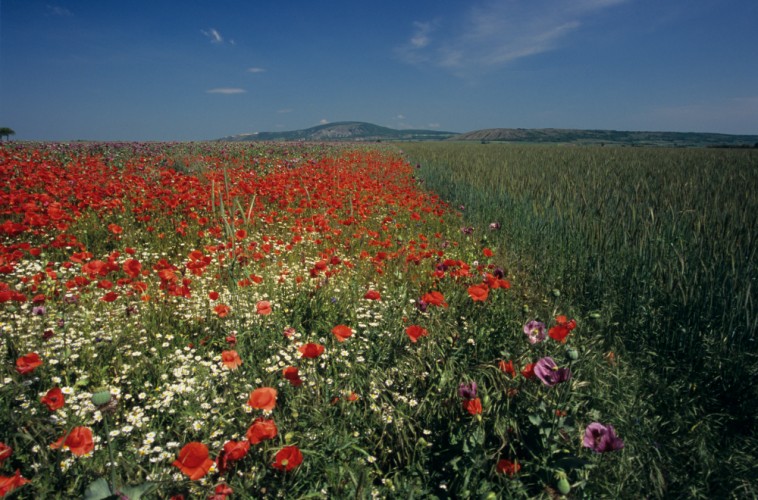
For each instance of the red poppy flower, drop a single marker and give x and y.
(10, 483)
(561, 329)
(221, 492)
(213, 295)
(5, 452)
(115, 228)
(104, 285)
(261, 430)
(231, 359)
(508, 467)
(288, 458)
(54, 399)
(478, 293)
(263, 307)
(78, 440)
(507, 367)
(95, 268)
(342, 332)
(193, 460)
(473, 406)
(487, 252)
(434, 299)
(415, 331)
(231, 452)
(372, 295)
(28, 363)
(263, 398)
(222, 310)
(109, 297)
(291, 373)
(528, 371)
(311, 350)
(167, 275)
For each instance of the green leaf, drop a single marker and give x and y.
(535, 419)
(136, 492)
(98, 490)
(570, 462)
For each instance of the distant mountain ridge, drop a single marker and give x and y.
(578, 136)
(344, 131)
(368, 132)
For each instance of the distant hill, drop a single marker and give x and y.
(344, 131)
(610, 137)
(368, 132)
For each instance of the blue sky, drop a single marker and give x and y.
(196, 70)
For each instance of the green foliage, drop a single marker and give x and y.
(660, 245)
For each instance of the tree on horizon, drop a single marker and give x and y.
(6, 132)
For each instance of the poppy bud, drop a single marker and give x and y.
(572, 354)
(563, 486)
(101, 397)
(556, 293)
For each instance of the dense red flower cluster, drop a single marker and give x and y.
(358, 210)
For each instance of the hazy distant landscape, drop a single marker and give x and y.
(368, 132)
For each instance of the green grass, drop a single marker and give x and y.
(661, 245)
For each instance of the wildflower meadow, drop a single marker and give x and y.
(215, 320)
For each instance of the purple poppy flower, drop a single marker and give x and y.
(546, 370)
(467, 230)
(421, 305)
(535, 331)
(601, 438)
(494, 226)
(39, 310)
(467, 391)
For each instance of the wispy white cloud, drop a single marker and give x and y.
(323, 121)
(56, 10)
(414, 51)
(226, 90)
(420, 38)
(256, 70)
(285, 110)
(491, 33)
(213, 35)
